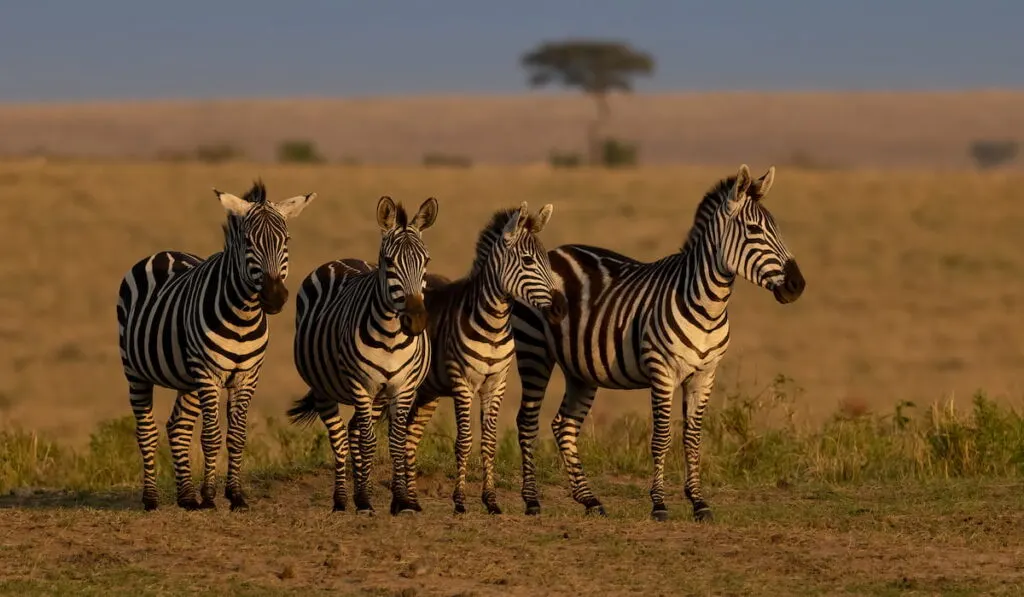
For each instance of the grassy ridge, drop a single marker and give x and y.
(748, 440)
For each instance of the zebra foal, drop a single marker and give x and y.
(359, 341)
(198, 326)
(660, 325)
(471, 338)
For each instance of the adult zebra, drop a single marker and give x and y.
(633, 325)
(471, 338)
(197, 326)
(359, 342)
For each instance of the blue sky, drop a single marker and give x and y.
(120, 49)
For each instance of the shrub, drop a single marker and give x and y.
(217, 153)
(297, 151)
(446, 160)
(567, 159)
(618, 154)
(989, 153)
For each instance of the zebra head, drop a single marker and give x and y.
(403, 260)
(751, 245)
(257, 231)
(522, 265)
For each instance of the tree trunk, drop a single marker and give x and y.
(595, 132)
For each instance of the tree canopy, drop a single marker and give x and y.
(594, 66)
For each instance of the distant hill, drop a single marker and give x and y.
(920, 129)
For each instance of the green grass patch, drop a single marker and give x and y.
(747, 440)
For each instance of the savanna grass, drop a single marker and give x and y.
(748, 441)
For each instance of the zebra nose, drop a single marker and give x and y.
(794, 284)
(414, 319)
(558, 309)
(273, 295)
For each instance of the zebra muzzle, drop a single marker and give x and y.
(793, 286)
(414, 318)
(273, 295)
(559, 308)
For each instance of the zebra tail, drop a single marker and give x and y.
(304, 412)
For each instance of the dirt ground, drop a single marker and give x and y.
(865, 129)
(948, 539)
(914, 285)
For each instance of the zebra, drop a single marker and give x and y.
(359, 341)
(199, 325)
(471, 338)
(660, 325)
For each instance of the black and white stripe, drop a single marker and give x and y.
(471, 338)
(197, 326)
(359, 342)
(659, 325)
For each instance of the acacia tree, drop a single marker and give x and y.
(596, 67)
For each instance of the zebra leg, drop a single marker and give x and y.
(578, 399)
(210, 438)
(463, 444)
(363, 442)
(179, 431)
(695, 400)
(399, 408)
(140, 394)
(420, 414)
(662, 391)
(490, 407)
(238, 416)
(330, 414)
(535, 365)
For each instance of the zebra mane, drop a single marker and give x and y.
(492, 232)
(257, 194)
(706, 209)
(401, 216)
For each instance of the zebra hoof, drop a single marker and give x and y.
(190, 504)
(239, 505)
(597, 510)
(659, 515)
(460, 508)
(533, 509)
(493, 509)
(703, 515)
(207, 504)
(338, 507)
(150, 504)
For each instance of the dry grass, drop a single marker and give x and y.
(914, 279)
(939, 539)
(875, 129)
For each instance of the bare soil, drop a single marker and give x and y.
(948, 539)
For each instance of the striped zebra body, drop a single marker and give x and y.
(359, 341)
(471, 339)
(199, 326)
(660, 325)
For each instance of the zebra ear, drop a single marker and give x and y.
(233, 205)
(514, 225)
(542, 218)
(386, 212)
(762, 185)
(293, 206)
(739, 190)
(425, 217)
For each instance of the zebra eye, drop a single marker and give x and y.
(388, 261)
(528, 260)
(754, 229)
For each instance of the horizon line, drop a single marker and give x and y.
(454, 95)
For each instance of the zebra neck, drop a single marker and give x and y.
(488, 301)
(381, 303)
(232, 288)
(702, 283)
